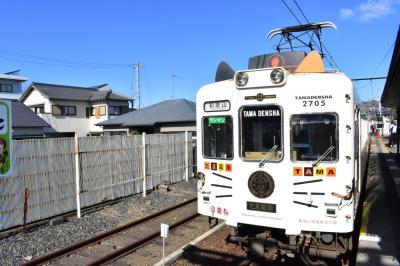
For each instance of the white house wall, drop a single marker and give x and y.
(37, 98)
(66, 123)
(80, 123)
(94, 120)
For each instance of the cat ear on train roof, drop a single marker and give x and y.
(312, 63)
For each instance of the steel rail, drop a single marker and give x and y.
(136, 244)
(67, 250)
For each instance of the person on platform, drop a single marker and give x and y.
(393, 133)
(372, 127)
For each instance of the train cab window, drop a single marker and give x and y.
(314, 137)
(217, 137)
(261, 133)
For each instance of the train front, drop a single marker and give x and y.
(276, 156)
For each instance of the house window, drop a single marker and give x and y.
(6, 88)
(98, 111)
(63, 110)
(114, 110)
(38, 109)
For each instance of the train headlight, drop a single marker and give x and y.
(241, 79)
(277, 76)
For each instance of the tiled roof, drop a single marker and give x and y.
(64, 92)
(169, 111)
(23, 116)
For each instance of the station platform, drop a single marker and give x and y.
(379, 242)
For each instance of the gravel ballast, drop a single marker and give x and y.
(21, 247)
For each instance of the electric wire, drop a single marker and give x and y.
(301, 11)
(331, 61)
(384, 58)
(323, 46)
(40, 60)
(291, 11)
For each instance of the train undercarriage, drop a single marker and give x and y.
(311, 248)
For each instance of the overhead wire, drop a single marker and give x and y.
(331, 61)
(34, 59)
(322, 44)
(301, 11)
(383, 59)
(291, 11)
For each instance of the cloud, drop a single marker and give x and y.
(370, 10)
(346, 13)
(376, 9)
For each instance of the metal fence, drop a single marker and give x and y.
(64, 174)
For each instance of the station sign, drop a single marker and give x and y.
(5, 139)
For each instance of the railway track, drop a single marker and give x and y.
(120, 241)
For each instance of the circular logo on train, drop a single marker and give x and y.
(260, 97)
(261, 184)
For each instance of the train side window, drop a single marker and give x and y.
(313, 136)
(218, 137)
(261, 132)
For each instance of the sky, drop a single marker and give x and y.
(179, 44)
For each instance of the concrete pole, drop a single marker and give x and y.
(144, 163)
(137, 67)
(77, 179)
(187, 155)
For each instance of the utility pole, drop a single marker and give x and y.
(137, 66)
(173, 76)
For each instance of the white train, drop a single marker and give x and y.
(281, 152)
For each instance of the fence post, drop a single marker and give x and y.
(186, 155)
(144, 163)
(77, 178)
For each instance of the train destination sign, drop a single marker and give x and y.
(262, 112)
(216, 120)
(5, 139)
(217, 106)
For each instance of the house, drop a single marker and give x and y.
(11, 85)
(25, 123)
(72, 110)
(168, 116)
